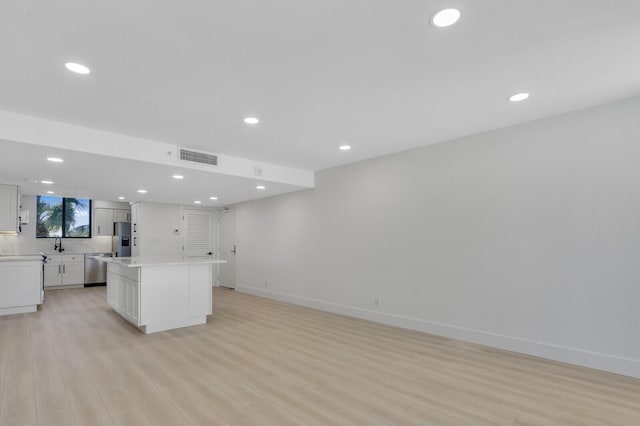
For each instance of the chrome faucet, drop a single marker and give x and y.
(57, 246)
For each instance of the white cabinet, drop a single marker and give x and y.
(136, 238)
(73, 271)
(52, 273)
(9, 209)
(136, 241)
(135, 218)
(121, 215)
(103, 224)
(105, 218)
(64, 270)
(20, 288)
(143, 245)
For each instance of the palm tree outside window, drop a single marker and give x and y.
(63, 217)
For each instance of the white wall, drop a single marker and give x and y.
(156, 239)
(525, 238)
(26, 242)
(157, 222)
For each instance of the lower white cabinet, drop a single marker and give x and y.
(63, 271)
(52, 274)
(20, 288)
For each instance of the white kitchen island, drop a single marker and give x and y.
(157, 294)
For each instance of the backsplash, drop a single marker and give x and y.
(21, 244)
(27, 243)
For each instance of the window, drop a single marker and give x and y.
(63, 217)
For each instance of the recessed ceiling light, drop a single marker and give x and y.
(55, 159)
(50, 192)
(213, 198)
(46, 182)
(261, 187)
(445, 17)
(251, 120)
(142, 191)
(178, 177)
(344, 147)
(77, 68)
(518, 97)
(120, 198)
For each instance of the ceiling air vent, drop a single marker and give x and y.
(198, 157)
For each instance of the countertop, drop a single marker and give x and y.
(137, 262)
(21, 258)
(24, 257)
(74, 253)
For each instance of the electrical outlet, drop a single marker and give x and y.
(377, 302)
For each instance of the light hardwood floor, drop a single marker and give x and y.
(257, 361)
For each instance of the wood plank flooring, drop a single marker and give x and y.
(262, 362)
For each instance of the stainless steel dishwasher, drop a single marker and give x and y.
(95, 272)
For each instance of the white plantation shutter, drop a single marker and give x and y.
(197, 234)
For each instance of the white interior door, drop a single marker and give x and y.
(228, 247)
(197, 235)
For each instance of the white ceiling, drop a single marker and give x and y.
(318, 73)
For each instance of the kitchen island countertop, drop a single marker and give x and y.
(137, 262)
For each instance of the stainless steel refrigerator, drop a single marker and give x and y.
(122, 239)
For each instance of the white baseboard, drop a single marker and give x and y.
(605, 362)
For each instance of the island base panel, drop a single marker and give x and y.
(18, 310)
(170, 325)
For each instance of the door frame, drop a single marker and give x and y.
(214, 237)
(228, 210)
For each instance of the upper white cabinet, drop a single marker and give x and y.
(121, 215)
(105, 218)
(103, 222)
(9, 209)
